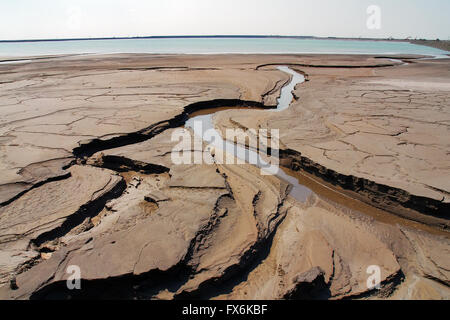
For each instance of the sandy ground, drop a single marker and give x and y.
(87, 179)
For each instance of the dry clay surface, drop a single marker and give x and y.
(139, 226)
(390, 126)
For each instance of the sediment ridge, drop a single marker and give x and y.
(139, 226)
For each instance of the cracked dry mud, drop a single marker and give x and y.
(87, 179)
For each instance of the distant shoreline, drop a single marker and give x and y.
(426, 42)
(235, 44)
(441, 44)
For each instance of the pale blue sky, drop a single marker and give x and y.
(31, 19)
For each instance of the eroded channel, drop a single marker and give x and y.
(302, 184)
(203, 127)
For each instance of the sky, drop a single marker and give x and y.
(45, 19)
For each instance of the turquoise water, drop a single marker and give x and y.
(214, 45)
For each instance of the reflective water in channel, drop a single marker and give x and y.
(203, 127)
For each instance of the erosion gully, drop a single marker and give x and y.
(206, 118)
(302, 184)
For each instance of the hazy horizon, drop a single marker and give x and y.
(209, 36)
(32, 20)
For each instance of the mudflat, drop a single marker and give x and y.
(87, 178)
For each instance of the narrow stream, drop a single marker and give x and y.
(301, 183)
(203, 127)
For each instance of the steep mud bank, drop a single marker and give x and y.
(86, 211)
(422, 209)
(187, 232)
(37, 185)
(88, 149)
(397, 201)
